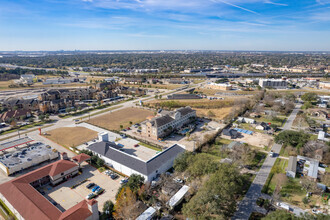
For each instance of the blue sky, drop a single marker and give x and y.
(165, 24)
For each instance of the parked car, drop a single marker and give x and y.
(178, 180)
(139, 131)
(99, 191)
(95, 188)
(114, 176)
(123, 181)
(128, 128)
(90, 196)
(90, 185)
(136, 145)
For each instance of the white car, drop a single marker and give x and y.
(89, 196)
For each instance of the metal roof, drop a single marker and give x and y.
(147, 214)
(15, 143)
(178, 196)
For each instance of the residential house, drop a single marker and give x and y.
(161, 126)
(27, 104)
(246, 120)
(291, 170)
(263, 126)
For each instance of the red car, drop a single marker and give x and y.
(136, 145)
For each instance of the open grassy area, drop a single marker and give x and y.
(71, 136)
(279, 167)
(113, 120)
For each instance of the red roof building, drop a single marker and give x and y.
(81, 158)
(23, 199)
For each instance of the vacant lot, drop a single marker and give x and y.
(256, 139)
(71, 136)
(113, 120)
(216, 109)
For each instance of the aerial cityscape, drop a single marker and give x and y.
(165, 109)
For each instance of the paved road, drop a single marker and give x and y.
(248, 204)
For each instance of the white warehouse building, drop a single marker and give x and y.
(128, 164)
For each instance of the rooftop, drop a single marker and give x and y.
(128, 159)
(26, 154)
(31, 204)
(178, 196)
(15, 143)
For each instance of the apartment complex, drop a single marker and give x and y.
(273, 83)
(163, 125)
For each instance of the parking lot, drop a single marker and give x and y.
(66, 197)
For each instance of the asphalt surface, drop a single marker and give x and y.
(247, 205)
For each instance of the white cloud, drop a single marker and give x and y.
(275, 3)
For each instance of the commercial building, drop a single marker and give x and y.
(273, 83)
(21, 196)
(161, 126)
(220, 86)
(27, 157)
(127, 162)
(184, 96)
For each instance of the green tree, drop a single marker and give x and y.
(217, 197)
(41, 117)
(108, 209)
(135, 182)
(309, 97)
(280, 215)
(292, 138)
(181, 163)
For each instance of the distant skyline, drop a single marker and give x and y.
(264, 25)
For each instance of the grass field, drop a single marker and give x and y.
(71, 136)
(217, 109)
(279, 167)
(156, 86)
(113, 120)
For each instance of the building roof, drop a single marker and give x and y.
(178, 196)
(81, 158)
(116, 153)
(147, 214)
(79, 211)
(313, 169)
(30, 203)
(169, 117)
(292, 165)
(60, 167)
(15, 143)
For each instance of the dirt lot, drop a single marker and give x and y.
(67, 197)
(256, 139)
(71, 136)
(113, 120)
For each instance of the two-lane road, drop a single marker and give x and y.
(246, 206)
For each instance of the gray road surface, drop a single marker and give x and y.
(247, 205)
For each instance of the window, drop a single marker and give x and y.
(62, 174)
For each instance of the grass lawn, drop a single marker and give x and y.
(279, 167)
(258, 160)
(293, 193)
(71, 136)
(113, 120)
(267, 120)
(150, 146)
